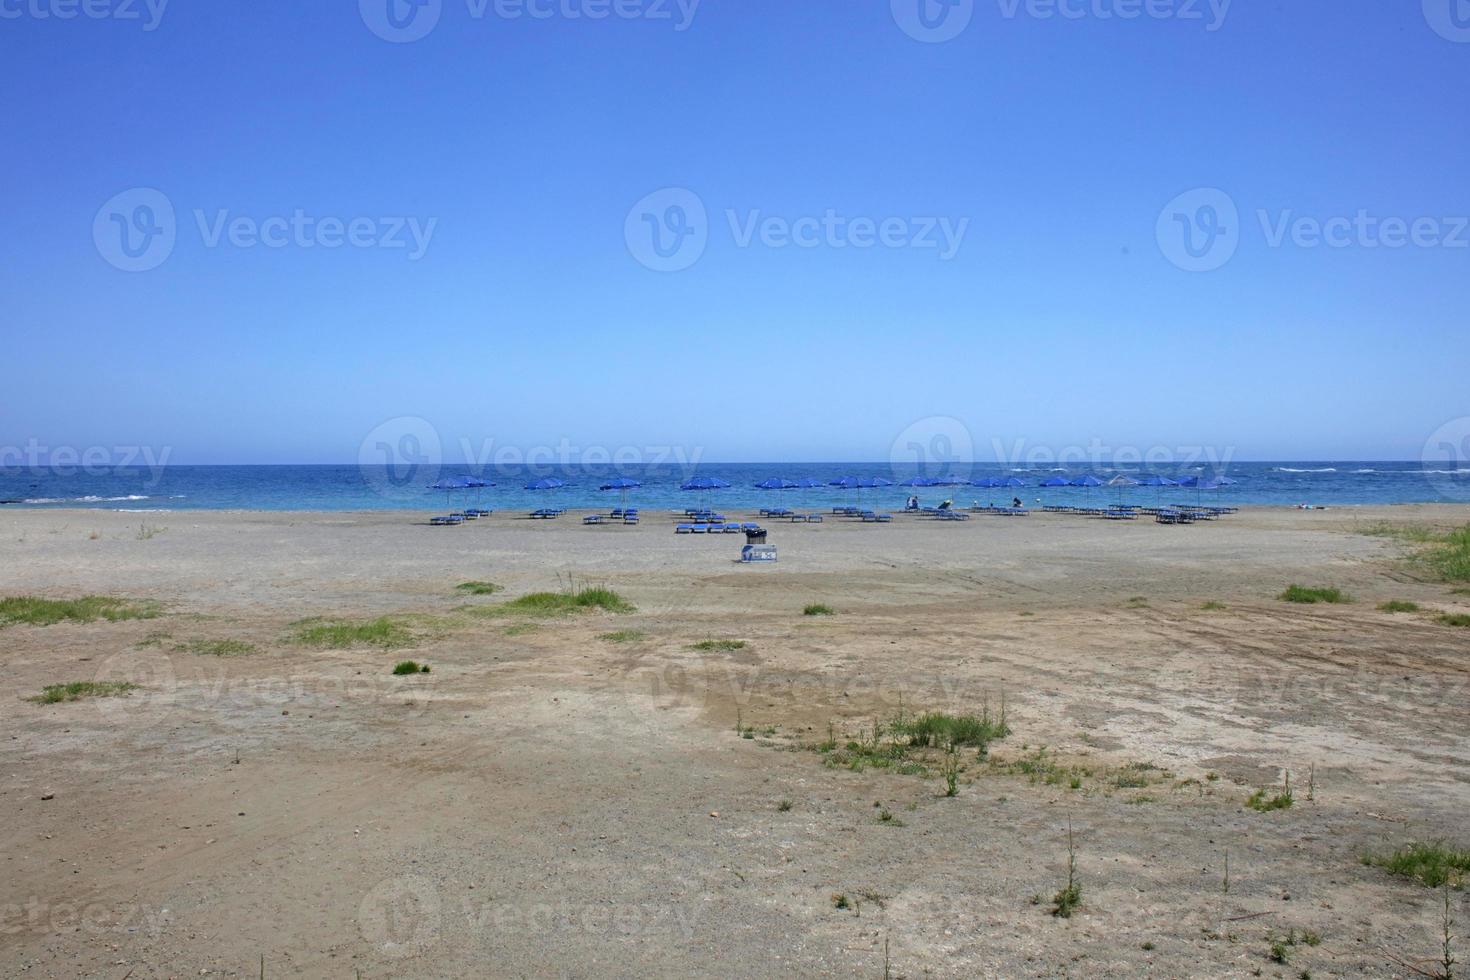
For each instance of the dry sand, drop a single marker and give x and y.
(549, 803)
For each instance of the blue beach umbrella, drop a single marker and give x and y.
(622, 484)
(1120, 481)
(550, 483)
(918, 481)
(1055, 481)
(1013, 481)
(477, 483)
(778, 484)
(808, 484)
(704, 484)
(1086, 481)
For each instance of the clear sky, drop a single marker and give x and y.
(1050, 146)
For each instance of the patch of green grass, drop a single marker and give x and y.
(1301, 593)
(1137, 602)
(1450, 559)
(342, 634)
(77, 690)
(1446, 555)
(1136, 775)
(839, 901)
(784, 806)
(565, 603)
(48, 612)
(1403, 532)
(940, 729)
(818, 609)
(216, 648)
(479, 588)
(885, 816)
(405, 667)
(623, 636)
(718, 646)
(859, 756)
(1398, 606)
(1434, 865)
(521, 629)
(1261, 802)
(1213, 606)
(1455, 619)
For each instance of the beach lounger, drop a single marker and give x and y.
(445, 521)
(872, 518)
(630, 519)
(592, 519)
(699, 528)
(683, 528)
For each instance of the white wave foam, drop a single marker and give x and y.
(1288, 469)
(1452, 472)
(89, 499)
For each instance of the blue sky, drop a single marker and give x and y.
(522, 144)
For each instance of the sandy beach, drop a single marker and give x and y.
(591, 794)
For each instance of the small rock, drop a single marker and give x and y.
(48, 796)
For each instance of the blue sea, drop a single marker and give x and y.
(352, 487)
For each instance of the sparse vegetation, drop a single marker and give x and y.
(1446, 555)
(718, 646)
(1065, 901)
(479, 588)
(951, 773)
(342, 634)
(406, 667)
(216, 648)
(839, 901)
(48, 612)
(1432, 864)
(1213, 606)
(784, 806)
(1398, 606)
(948, 731)
(1137, 602)
(77, 690)
(1455, 619)
(147, 532)
(1263, 803)
(565, 603)
(623, 636)
(1301, 593)
(818, 609)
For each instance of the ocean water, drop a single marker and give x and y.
(351, 487)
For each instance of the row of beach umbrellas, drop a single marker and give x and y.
(710, 483)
